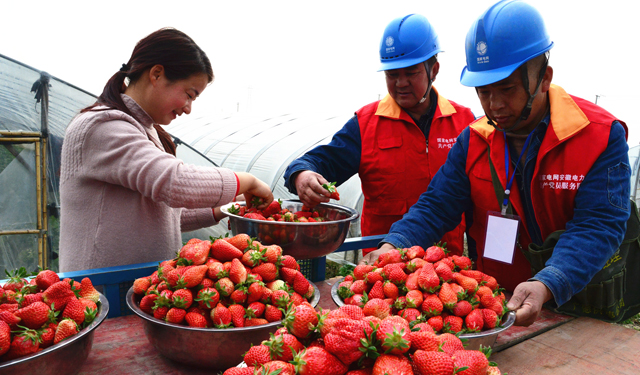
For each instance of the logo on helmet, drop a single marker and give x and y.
(389, 41)
(481, 48)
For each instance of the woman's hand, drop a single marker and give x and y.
(252, 187)
(310, 190)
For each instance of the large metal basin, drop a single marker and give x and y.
(210, 348)
(473, 340)
(300, 240)
(66, 357)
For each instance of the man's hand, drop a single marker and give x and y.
(373, 256)
(527, 301)
(310, 190)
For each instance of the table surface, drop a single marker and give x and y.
(554, 344)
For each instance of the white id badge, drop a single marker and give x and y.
(501, 237)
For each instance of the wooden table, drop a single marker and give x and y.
(554, 344)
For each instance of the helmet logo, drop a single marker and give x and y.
(481, 49)
(389, 42)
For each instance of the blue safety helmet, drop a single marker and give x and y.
(508, 34)
(408, 41)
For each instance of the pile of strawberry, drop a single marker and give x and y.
(350, 340)
(275, 212)
(224, 283)
(427, 286)
(40, 312)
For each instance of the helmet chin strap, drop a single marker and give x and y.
(424, 97)
(526, 111)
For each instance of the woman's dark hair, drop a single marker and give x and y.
(178, 54)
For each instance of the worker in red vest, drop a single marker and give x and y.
(539, 161)
(397, 144)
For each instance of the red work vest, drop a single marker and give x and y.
(395, 167)
(576, 136)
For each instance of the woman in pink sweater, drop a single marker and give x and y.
(125, 198)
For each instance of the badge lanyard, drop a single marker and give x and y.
(507, 189)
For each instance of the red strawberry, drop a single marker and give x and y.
(414, 252)
(140, 285)
(492, 303)
(216, 271)
(447, 296)
(452, 324)
(16, 279)
(450, 343)
(195, 319)
(433, 362)
(345, 339)
(462, 262)
(195, 253)
(287, 261)
(88, 291)
(237, 315)
(282, 346)
(434, 253)
(300, 284)
(257, 355)
(240, 241)
(428, 279)
(272, 313)
(462, 308)
(221, 316)
(377, 307)
(316, 360)
(273, 208)
(249, 322)
(444, 272)
(424, 340)
(66, 328)
(46, 278)
(360, 271)
(182, 298)
(5, 337)
(255, 216)
(237, 271)
(432, 306)
(389, 364)
(208, 297)
(467, 283)
(436, 322)
(331, 188)
(34, 315)
(390, 290)
(224, 251)
(475, 360)
(409, 314)
(240, 371)
(192, 276)
(377, 291)
(58, 294)
(301, 320)
(414, 299)
(394, 335)
(175, 315)
(474, 321)
(391, 256)
(147, 302)
(24, 343)
(239, 295)
(268, 271)
(490, 318)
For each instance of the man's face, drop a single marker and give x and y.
(407, 86)
(504, 100)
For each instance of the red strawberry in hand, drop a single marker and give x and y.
(331, 188)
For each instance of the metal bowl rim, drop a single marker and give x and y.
(510, 316)
(353, 214)
(136, 309)
(104, 310)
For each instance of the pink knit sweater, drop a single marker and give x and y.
(123, 199)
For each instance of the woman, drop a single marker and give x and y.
(125, 198)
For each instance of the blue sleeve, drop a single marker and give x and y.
(599, 222)
(336, 161)
(440, 208)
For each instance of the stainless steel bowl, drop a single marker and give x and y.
(210, 348)
(300, 240)
(66, 357)
(473, 340)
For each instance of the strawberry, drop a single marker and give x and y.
(47, 334)
(287, 261)
(377, 290)
(435, 253)
(467, 283)
(25, 343)
(34, 315)
(268, 271)
(272, 253)
(432, 306)
(462, 308)
(90, 310)
(255, 216)
(249, 322)
(257, 355)
(390, 290)
(447, 296)
(492, 303)
(436, 322)
(239, 295)
(240, 371)
(216, 271)
(360, 271)
(389, 364)
(175, 315)
(316, 360)
(224, 251)
(301, 320)
(66, 328)
(493, 370)
(444, 272)
(409, 314)
(195, 319)
(46, 278)
(377, 307)
(449, 343)
(424, 340)
(221, 316)
(452, 324)
(237, 315)
(272, 313)
(273, 208)
(207, 298)
(141, 284)
(373, 276)
(182, 298)
(462, 262)
(474, 321)
(237, 271)
(394, 335)
(414, 298)
(414, 252)
(88, 291)
(240, 241)
(5, 337)
(275, 368)
(255, 310)
(475, 360)
(428, 279)
(345, 339)
(331, 188)
(147, 302)
(283, 346)
(192, 276)
(58, 294)
(433, 362)
(391, 256)
(300, 284)
(16, 279)
(490, 318)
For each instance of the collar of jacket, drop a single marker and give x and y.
(566, 117)
(389, 108)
